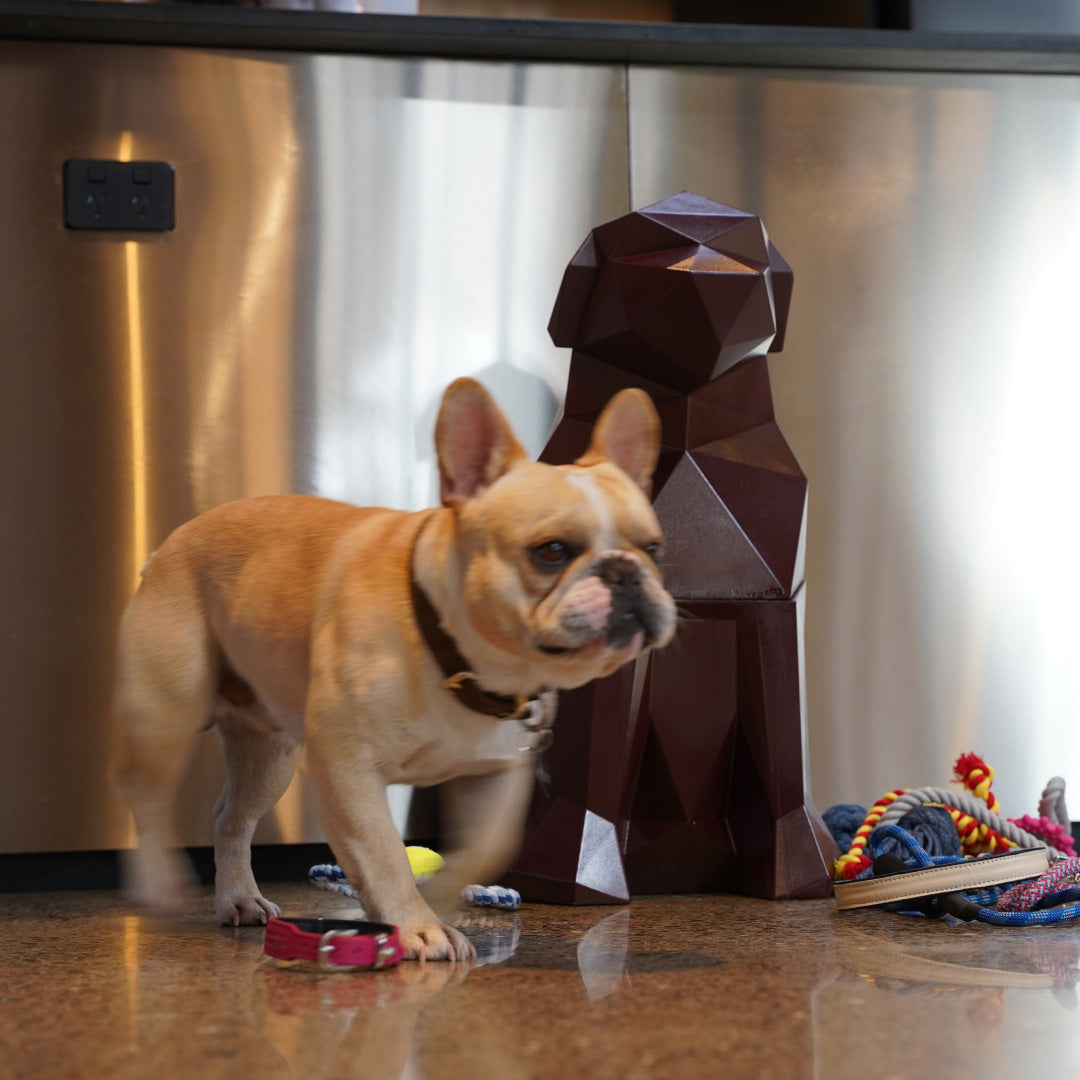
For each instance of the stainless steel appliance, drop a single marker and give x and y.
(353, 231)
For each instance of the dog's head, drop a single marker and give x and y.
(556, 567)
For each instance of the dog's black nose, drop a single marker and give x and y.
(622, 575)
(619, 571)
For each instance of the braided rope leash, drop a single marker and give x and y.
(1047, 899)
(1044, 917)
(1025, 896)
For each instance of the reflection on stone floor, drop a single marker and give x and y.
(664, 987)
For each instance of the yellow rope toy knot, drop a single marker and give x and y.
(971, 771)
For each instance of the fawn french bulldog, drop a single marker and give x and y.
(290, 621)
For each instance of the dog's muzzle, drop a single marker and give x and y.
(631, 611)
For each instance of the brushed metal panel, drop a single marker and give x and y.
(928, 387)
(352, 233)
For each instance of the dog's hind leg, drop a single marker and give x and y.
(259, 764)
(164, 690)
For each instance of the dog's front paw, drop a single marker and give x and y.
(244, 910)
(434, 941)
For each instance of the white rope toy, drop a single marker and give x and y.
(332, 878)
(491, 896)
(1052, 804)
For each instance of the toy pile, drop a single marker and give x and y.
(928, 827)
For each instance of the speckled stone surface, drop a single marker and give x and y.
(665, 987)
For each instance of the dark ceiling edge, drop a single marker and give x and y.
(577, 41)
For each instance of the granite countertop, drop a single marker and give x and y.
(582, 41)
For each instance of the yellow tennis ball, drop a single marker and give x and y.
(425, 863)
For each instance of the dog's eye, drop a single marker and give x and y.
(654, 550)
(552, 555)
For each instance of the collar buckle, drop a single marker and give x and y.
(325, 950)
(465, 686)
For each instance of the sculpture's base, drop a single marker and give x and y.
(686, 772)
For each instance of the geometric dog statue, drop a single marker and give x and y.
(686, 772)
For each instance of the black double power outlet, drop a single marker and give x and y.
(128, 195)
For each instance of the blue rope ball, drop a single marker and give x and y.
(932, 828)
(842, 821)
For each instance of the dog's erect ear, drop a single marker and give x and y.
(627, 433)
(474, 442)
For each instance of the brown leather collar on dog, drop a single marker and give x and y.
(460, 681)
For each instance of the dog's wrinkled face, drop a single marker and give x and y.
(561, 568)
(560, 565)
